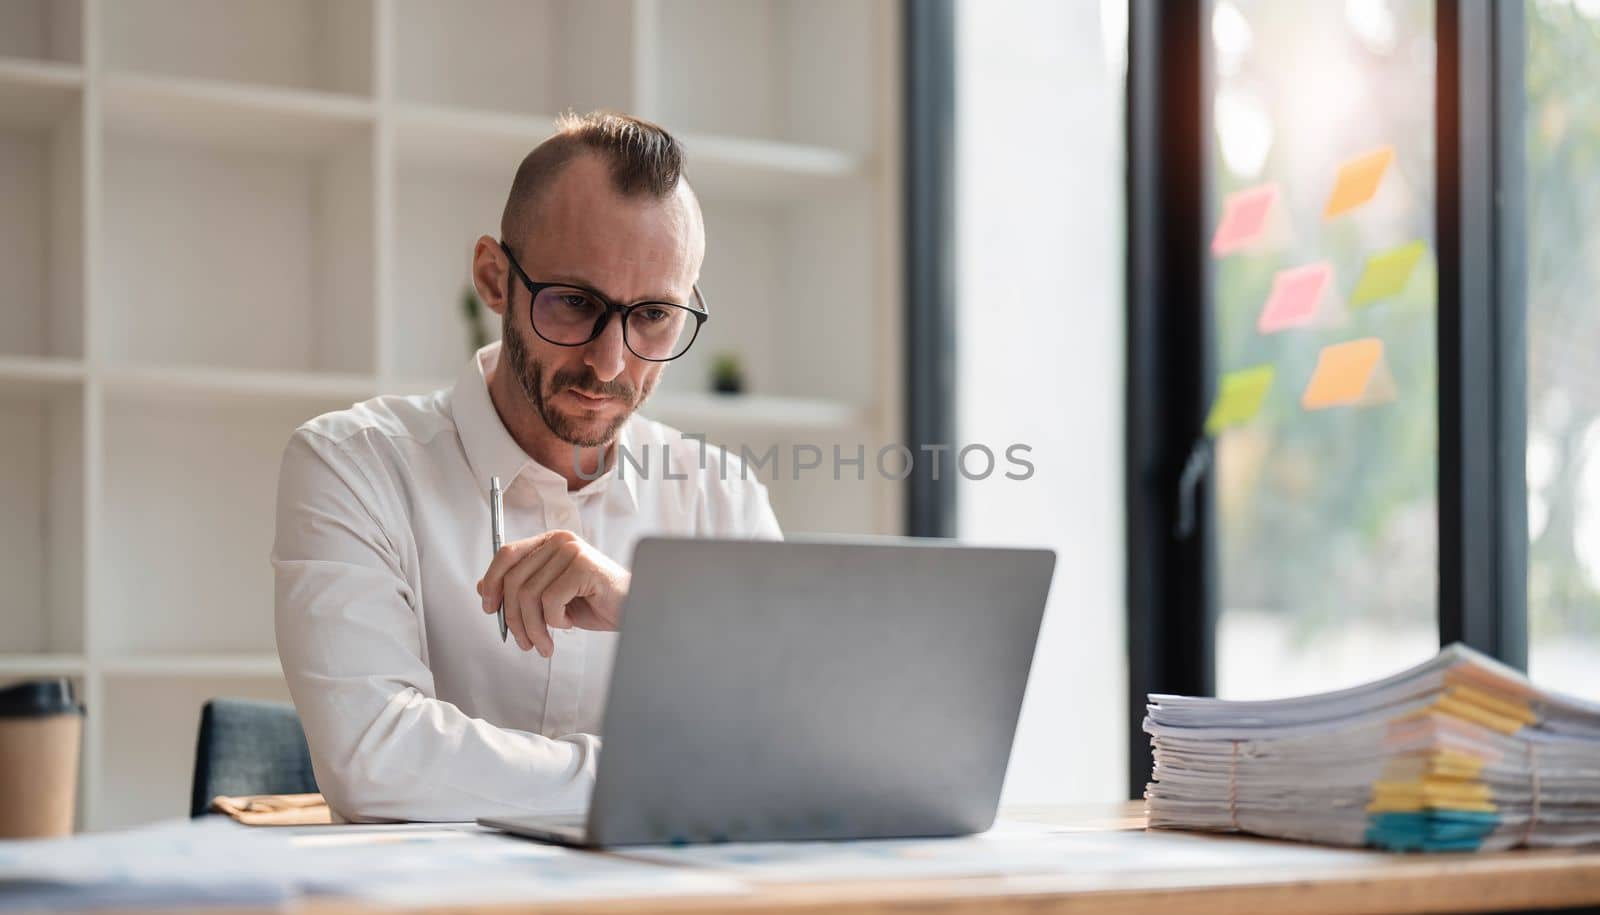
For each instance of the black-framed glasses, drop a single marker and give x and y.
(570, 315)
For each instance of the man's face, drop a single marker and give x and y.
(629, 249)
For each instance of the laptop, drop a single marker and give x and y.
(810, 688)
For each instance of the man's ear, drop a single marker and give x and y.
(489, 271)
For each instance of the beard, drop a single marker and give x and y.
(574, 430)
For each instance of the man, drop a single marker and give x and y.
(413, 706)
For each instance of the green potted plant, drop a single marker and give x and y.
(727, 373)
(472, 312)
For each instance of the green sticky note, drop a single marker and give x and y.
(1387, 273)
(1239, 397)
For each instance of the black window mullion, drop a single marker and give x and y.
(1482, 343)
(930, 272)
(1170, 571)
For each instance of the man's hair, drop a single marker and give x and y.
(645, 161)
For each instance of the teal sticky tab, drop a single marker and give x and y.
(1455, 845)
(1443, 830)
(1465, 816)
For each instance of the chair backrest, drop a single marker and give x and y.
(249, 747)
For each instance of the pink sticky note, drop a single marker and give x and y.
(1296, 293)
(1244, 219)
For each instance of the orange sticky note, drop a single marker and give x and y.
(1352, 374)
(1358, 180)
(1244, 219)
(1296, 297)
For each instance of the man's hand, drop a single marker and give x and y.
(556, 580)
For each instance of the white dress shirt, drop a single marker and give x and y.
(413, 707)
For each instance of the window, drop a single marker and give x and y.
(1308, 548)
(1038, 238)
(1563, 325)
(1320, 182)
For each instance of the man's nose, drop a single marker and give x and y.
(607, 354)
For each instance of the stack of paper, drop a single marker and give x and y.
(1457, 753)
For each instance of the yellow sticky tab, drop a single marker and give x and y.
(1513, 709)
(1462, 708)
(1239, 398)
(1387, 273)
(1351, 374)
(1430, 794)
(1456, 764)
(1441, 764)
(1358, 181)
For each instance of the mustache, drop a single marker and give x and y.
(593, 387)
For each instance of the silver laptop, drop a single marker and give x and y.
(812, 688)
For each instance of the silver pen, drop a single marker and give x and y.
(497, 521)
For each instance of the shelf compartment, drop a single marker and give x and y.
(801, 66)
(780, 279)
(439, 215)
(195, 581)
(42, 30)
(42, 524)
(41, 223)
(149, 725)
(522, 56)
(296, 44)
(250, 258)
(787, 286)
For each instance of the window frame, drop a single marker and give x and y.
(1481, 347)
(929, 165)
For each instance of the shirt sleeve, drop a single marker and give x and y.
(740, 504)
(383, 746)
(761, 521)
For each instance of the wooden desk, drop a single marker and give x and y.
(1509, 881)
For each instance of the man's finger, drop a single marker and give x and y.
(532, 615)
(535, 566)
(514, 626)
(561, 557)
(505, 559)
(563, 591)
(511, 586)
(535, 611)
(514, 623)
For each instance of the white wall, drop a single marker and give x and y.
(1040, 229)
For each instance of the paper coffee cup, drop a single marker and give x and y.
(41, 730)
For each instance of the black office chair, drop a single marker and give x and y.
(249, 747)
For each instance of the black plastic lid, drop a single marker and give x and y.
(37, 698)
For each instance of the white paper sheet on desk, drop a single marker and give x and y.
(1010, 849)
(219, 862)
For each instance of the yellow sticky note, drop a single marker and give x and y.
(1387, 273)
(1358, 180)
(1239, 397)
(1351, 374)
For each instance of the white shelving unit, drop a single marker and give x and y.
(223, 218)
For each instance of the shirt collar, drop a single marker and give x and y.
(492, 452)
